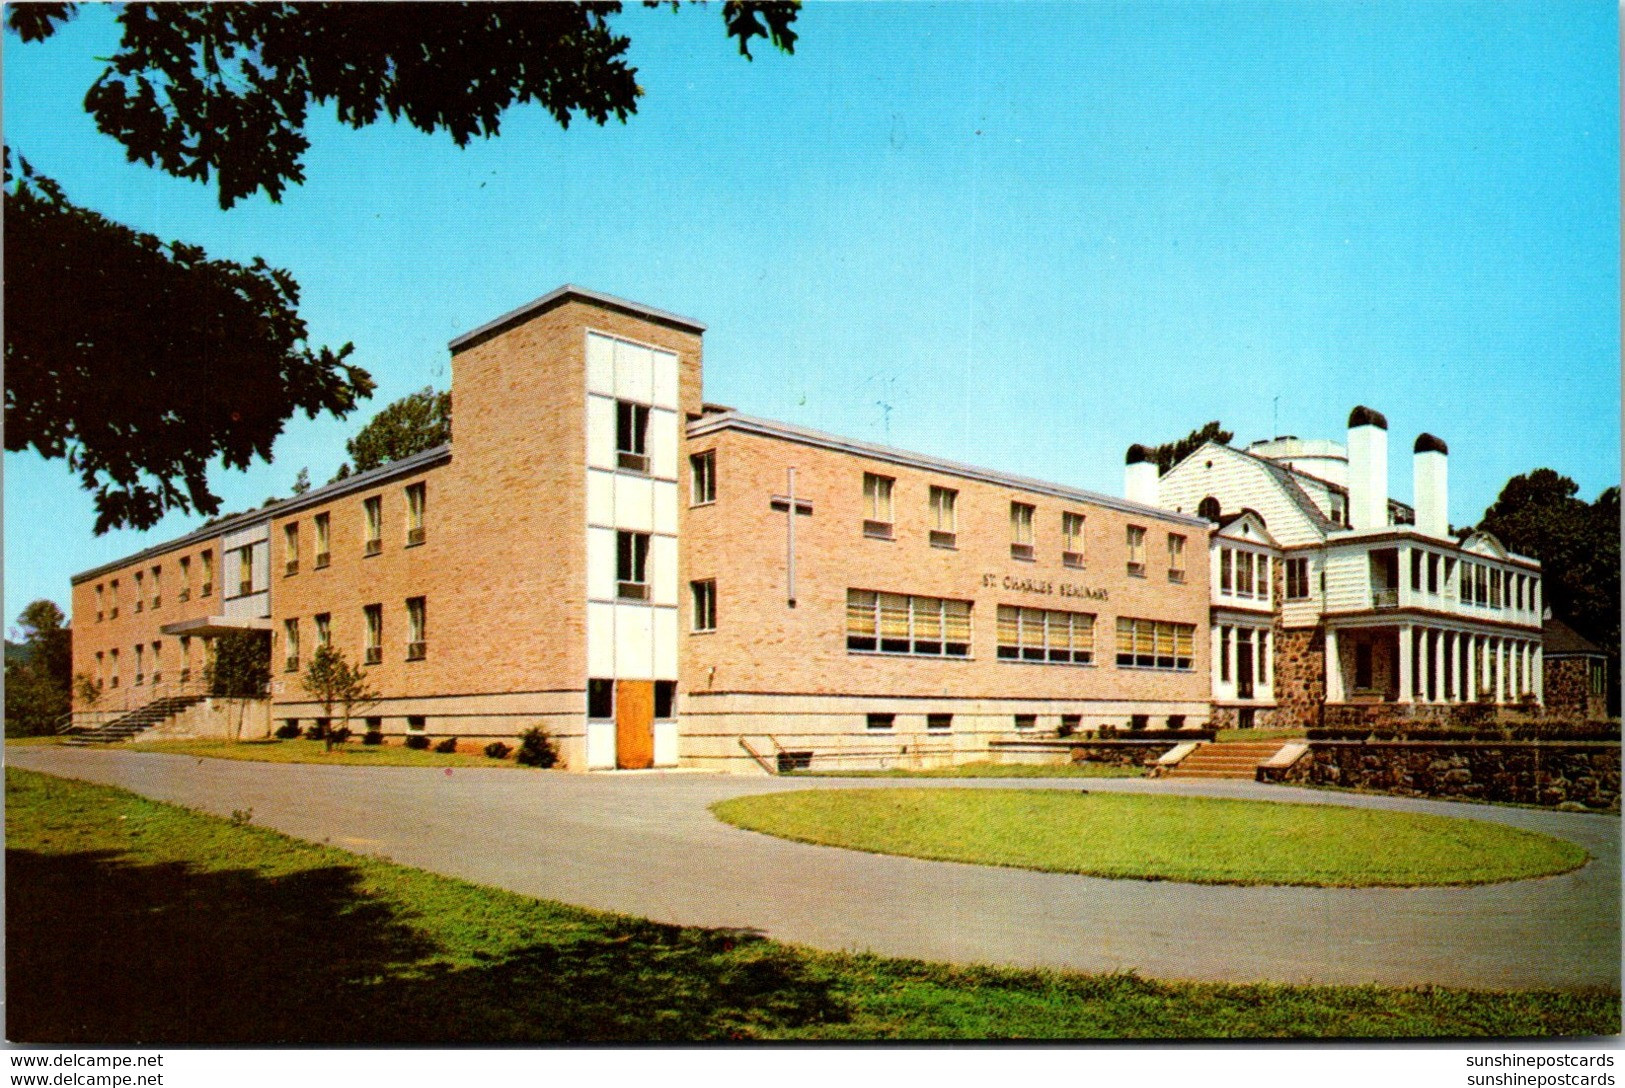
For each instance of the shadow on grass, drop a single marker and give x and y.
(103, 951)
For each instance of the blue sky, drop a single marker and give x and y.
(1038, 232)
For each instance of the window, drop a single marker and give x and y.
(880, 721)
(665, 699)
(139, 652)
(157, 586)
(944, 517)
(1026, 721)
(112, 611)
(1137, 722)
(1263, 664)
(1176, 557)
(375, 725)
(1021, 531)
(1433, 572)
(1599, 676)
(1416, 570)
(1518, 581)
(100, 596)
(417, 631)
(112, 679)
(290, 548)
(1224, 655)
(101, 671)
(324, 554)
(1136, 551)
(416, 723)
(140, 594)
(290, 645)
(157, 662)
(324, 629)
(1072, 540)
(632, 565)
(1154, 644)
(897, 623)
(374, 615)
(1362, 666)
(1244, 574)
(1340, 509)
(939, 722)
(1036, 634)
(877, 508)
(632, 436)
(245, 570)
(1227, 571)
(704, 595)
(416, 500)
(1495, 588)
(1297, 579)
(702, 478)
(206, 564)
(186, 580)
(1070, 724)
(373, 508)
(600, 699)
(186, 658)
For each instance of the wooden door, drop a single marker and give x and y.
(634, 724)
(1244, 668)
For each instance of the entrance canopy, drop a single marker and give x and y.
(215, 626)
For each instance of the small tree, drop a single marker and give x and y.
(331, 680)
(240, 666)
(39, 680)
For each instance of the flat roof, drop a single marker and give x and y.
(359, 482)
(731, 420)
(560, 295)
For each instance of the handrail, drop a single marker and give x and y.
(761, 760)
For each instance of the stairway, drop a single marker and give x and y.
(136, 721)
(1236, 760)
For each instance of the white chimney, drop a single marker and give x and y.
(1368, 469)
(1432, 486)
(1140, 476)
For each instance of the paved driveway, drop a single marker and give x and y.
(646, 845)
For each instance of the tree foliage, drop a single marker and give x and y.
(330, 679)
(1170, 454)
(223, 92)
(140, 361)
(1577, 543)
(417, 422)
(39, 680)
(240, 666)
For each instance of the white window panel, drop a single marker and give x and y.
(663, 569)
(600, 364)
(600, 498)
(601, 746)
(634, 503)
(600, 432)
(634, 642)
(665, 643)
(634, 372)
(665, 744)
(600, 639)
(665, 507)
(601, 564)
(260, 565)
(665, 380)
(663, 444)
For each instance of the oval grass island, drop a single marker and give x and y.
(1147, 837)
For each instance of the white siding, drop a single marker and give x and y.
(600, 498)
(663, 444)
(601, 640)
(601, 432)
(665, 380)
(1348, 580)
(634, 642)
(634, 372)
(665, 643)
(634, 503)
(600, 364)
(601, 566)
(662, 569)
(1237, 481)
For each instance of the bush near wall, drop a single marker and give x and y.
(1549, 773)
(1125, 753)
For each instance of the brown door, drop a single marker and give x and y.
(634, 724)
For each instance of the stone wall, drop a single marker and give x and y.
(1122, 753)
(1300, 677)
(1569, 774)
(1568, 689)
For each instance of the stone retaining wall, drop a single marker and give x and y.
(1568, 774)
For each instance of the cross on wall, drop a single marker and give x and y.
(802, 508)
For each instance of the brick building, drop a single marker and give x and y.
(660, 581)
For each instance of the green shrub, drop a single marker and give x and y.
(288, 730)
(536, 748)
(417, 742)
(339, 735)
(497, 750)
(447, 746)
(372, 736)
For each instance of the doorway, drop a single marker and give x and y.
(634, 724)
(1244, 665)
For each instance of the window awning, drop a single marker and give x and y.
(215, 626)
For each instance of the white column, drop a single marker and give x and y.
(1334, 668)
(1235, 652)
(1438, 666)
(1216, 641)
(1405, 682)
(1500, 670)
(1464, 668)
(1540, 674)
(1404, 588)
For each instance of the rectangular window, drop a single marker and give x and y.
(1136, 551)
(112, 610)
(1297, 579)
(1416, 570)
(290, 645)
(1227, 567)
(324, 553)
(157, 661)
(631, 436)
(939, 722)
(186, 658)
(1021, 530)
(1264, 657)
(1495, 588)
(245, 571)
(1244, 574)
(157, 586)
(417, 499)
(373, 509)
(1041, 635)
(112, 679)
(1154, 644)
(100, 600)
(1072, 540)
(1176, 557)
(416, 723)
(704, 596)
(290, 548)
(877, 506)
(1070, 724)
(1026, 721)
(880, 721)
(140, 657)
(897, 623)
(417, 629)
(140, 593)
(101, 671)
(1224, 655)
(206, 572)
(185, 593)
(702, 478)
(665, 699)
(324, 629)
(944, 517)
(1518, 581)
(600, 699)
(1433, 572)
(374, 616)
(632, 566)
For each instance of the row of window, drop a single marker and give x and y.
(372, 510)
(1489, 587)
(417, 634)
(1244, 574)
(1251, 651)
(601, 700)
(1070, 723)
(107, 593)
(143, 654)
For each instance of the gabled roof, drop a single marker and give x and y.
(1248, 525)
(1560, 640)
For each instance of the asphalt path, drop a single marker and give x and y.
(645, 844)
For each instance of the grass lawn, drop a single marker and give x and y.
(993, 770)
(129, 921)
(1243, 736)
(352, 753)
(1199, 839)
